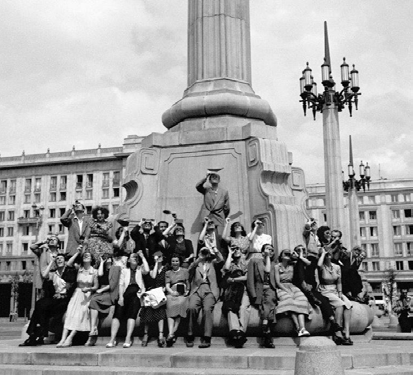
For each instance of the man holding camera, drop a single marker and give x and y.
(403, 308)
(76, 222)
(216, 200)
(204, 293)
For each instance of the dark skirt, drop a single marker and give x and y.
(101, 302)
(150, 315)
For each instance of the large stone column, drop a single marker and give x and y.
(353, 206)
(219, 123)
(333, 167)
(219, 66)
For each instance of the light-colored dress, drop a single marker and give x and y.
(176, 305)
(328, 286)
(258, 241)
(294, 300)
(77, 314)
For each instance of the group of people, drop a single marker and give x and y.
(154, 272)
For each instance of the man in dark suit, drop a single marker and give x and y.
(261, 288)
(216, 200)
(78, 224)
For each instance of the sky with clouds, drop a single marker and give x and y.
(83, 72)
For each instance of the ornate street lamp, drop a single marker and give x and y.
(329, 103)
(38, 214)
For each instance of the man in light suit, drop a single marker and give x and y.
(216, 200)
(76, 222)
(204, 293)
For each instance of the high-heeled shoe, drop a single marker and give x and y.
(91, 341)
(170, 341)
(111, 344)
(161, 342)
(145, 339)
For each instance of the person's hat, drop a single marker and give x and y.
(158, 254)
(214, 170)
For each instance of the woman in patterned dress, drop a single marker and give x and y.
(177, 287)
(77, 314)
(291, 300)
(150, 315)
(98, 240)
(330, 287)
(237, 236)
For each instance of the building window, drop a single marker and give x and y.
(52, 197)
(114, 207)
(8, 266)
(399, 265)
(12, 189)
(12, 199)
(9, 247)
(407, 198)
(79, 195)
(410, 264)
(53, 183)
(364, 266)
(395, 214)
(61, 229)
(408, 213)
(372, 199)
(105, 182)
(361, 216)
(398, 249)
(394, 198)
(376, 266)
(409, 248)
(360, 199)
(37, 198)
(1, 232)
(10, 215)
(62, 245)
(1, 249)
(3, 187)
(52, 213)
(105, 193)
(409, 229)
(28, 185)
(89, 182)
(38, 184)
(325, 218)
(25, 247)
(62, 196)
(116, 179)
(362, 232)
(26, 230)
(89, 194)
(89, 210)
(23, 264)
(2, 199)
(27, 198)
(397, 230)
(115, 192)
(63, 182)
(62, 211)
(26, 214)
(2, 215)
(79, 181)
(10, 232)
(374, 249)
(51, 228)
(372, 215)
(373, 231)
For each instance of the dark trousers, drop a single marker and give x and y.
(405, 323)
(45, 309)
(202, 298)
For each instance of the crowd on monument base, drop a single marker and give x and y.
(153, 271)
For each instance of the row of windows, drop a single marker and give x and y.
(398, 230)
(10, 215)
(6, 233)
(16, 266)
(7, 248)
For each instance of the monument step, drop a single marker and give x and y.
(383, 370)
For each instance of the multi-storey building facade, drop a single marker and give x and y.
(35, 191)
(386, 227)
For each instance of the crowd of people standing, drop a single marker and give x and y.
(152, 271)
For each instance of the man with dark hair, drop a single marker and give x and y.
(76, 222)
(403, 308)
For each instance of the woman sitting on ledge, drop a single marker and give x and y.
(292, 300)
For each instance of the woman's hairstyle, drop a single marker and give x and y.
(280, 257)
(178, 257)
(180, 226)
(138, 259)
(266, 244)
(92, 259)
(320, 233)
(104, 210)
(232, 229)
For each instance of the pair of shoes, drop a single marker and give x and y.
(170, 341)
(31, 341)
(303, 333)
(189, 341)
(161, 342)
(91, 341)
(127, 345)
(205, 344)
(337, 340)
(346, 341)
(66, 344)
(111, 344)
(145, 339)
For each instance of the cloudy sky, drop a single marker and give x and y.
(83, 72)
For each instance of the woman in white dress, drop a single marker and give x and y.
(78, 314)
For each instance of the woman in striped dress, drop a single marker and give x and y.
(291, 300)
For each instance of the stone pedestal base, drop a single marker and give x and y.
(257, 173)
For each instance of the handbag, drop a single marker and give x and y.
(154, 298)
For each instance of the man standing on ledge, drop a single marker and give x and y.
(216, 199)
